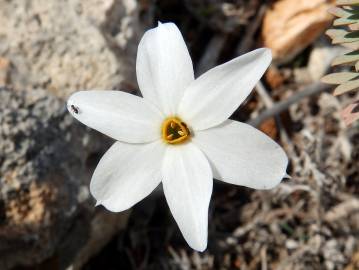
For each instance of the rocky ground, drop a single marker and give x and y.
(50, 49)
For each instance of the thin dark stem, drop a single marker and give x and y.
(281, 106)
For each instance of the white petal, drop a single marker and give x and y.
(187, 184)
(164, 67)
(242, 155)
(126, 174)
(215, 95)
(117, 114)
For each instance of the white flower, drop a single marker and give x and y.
(179, 133)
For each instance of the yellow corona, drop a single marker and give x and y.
(175, 131)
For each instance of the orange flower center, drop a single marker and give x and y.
(174, 131)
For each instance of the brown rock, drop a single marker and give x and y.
(269, 127)
(289, 26)
(274, 77)
(4, 71)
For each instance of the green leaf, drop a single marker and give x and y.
(339, 12)
(354, 26)
(343, 21)
(348, 58)
(347, 2)
(345, 16)
(339, 78)
(346, 87)
(352, 45)
(344, 12)
(335, 33)
(342, 36)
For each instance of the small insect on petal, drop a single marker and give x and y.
(75, 109)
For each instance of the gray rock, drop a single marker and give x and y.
(64, 46)
(52, 49)
(321, 57)
(46, 161)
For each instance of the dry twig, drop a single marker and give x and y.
(311, 90)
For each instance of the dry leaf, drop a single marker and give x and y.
(350, 113)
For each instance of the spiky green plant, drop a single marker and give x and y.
(346, 34)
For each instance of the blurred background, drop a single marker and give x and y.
(50, 49)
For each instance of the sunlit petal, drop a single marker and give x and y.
(117, 114)
(215, 95)
(242, 155)
(187, 183)
(126, 174)
(164, 67)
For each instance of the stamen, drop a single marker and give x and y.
(174, 131)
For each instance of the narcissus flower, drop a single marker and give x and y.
(179, 133)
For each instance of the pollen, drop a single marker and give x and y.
(175, 131)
